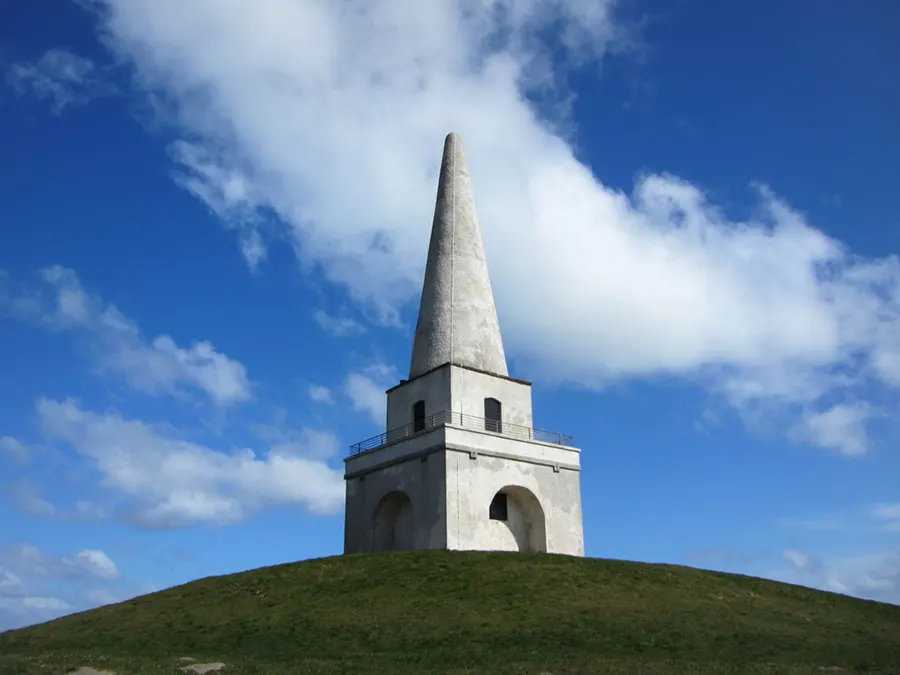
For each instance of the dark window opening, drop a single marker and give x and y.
(493, 417)
(498, 510)
(419, 416)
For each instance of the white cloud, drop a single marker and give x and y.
(63, 78)
(157, 366)
(310, 443)
(366, 389)
(14, 448)
(86, 564)
(36, 585)
(338, 326)
(366, 396)
(164, 481)
(797, 558)
(869, 520)
(27, 498)
(16, 612)
(841, 427)
(888, 514)
(886, 510)
(97, 563)
(330, 115)
(320, 394)
(83, 509)
(874, 576)
(10, 584)
(53, 605)
(226, 192)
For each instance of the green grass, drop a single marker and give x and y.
(453, 612)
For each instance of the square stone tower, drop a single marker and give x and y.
(461, 465)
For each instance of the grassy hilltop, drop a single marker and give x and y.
(453, 612)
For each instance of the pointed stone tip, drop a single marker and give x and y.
(457, 318)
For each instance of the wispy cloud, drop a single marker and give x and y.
(841, 427)
(320, 394)
(116, 344)
(160, 480)
(28, 498)
(888, 515)
(14, 449)
(21, 606)
(870, 519)
(338, 326)
(874, 576)
(340, 140)
(226, 191)
(366, 388)
(37, 585)
(89, 563)
(798, 559)
(60, 77)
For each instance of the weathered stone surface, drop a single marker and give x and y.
(457, 317)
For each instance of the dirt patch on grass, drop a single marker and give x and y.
(201, 668)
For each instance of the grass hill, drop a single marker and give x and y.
(452, 612)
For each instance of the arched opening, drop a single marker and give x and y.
(517, 520)
(418, 416)
(392, 523)
(493, 415)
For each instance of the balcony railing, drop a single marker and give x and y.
(448, 417)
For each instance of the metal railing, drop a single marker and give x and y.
(448, 417)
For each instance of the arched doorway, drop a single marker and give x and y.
(392, 523)
(517, 520)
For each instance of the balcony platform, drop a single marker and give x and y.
(465, 433)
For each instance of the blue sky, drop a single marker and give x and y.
(214, 223)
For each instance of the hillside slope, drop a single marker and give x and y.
(453, 612)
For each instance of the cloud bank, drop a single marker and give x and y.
(327, 118)
(37, 585)
(157, 479)
(873, 576)
(148, 473)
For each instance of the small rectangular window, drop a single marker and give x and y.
(493, 415)
(419, 416)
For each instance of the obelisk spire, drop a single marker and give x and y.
(457, 317)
